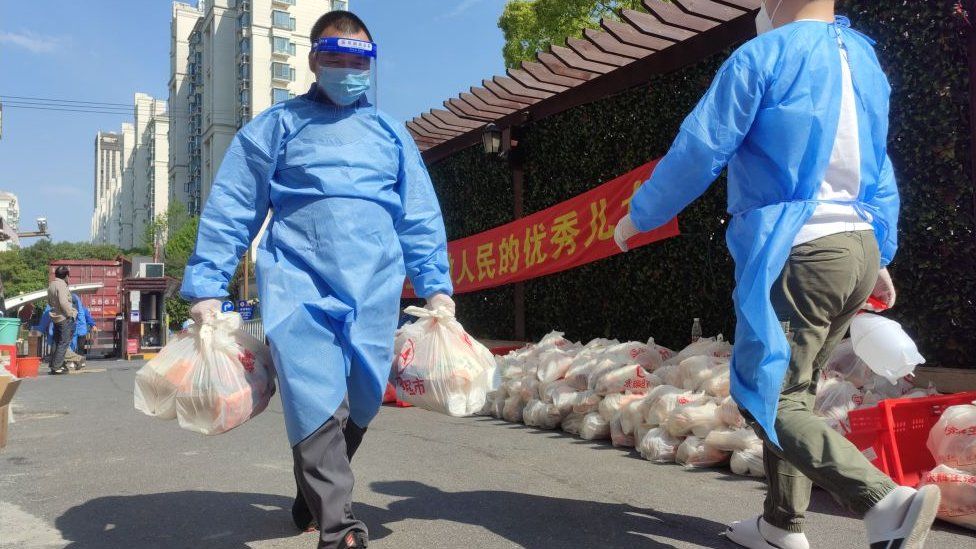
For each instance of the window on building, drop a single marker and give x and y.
(283, 45)
(281, 20)
(282, 71)
(278, 95)
(340, 5)
(245, 45)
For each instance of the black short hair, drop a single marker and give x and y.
(61, 272)
(345, 22)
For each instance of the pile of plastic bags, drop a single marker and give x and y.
(952, 442)
(211, 378)
(847, 383)
(670, 407)
(441, 368)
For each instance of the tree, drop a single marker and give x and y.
(532, 26)
(166, 223)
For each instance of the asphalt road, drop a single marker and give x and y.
(84, 469)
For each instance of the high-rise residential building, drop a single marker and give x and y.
(141, 193)
(231, 59)
(10, 214)
(108, 177)
(184, 18)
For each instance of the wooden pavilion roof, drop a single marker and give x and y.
(619, 56)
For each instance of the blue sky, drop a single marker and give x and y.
(106, 50)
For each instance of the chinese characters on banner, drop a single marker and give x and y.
(565, 236)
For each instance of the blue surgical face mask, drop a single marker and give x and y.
(344, 86)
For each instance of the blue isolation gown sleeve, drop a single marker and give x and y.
(45, 324)
(89, 320)
(887, 203)
(421, 227)
(707, 140)
(236, 209)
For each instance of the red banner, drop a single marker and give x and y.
(567, 235)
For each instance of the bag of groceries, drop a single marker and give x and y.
(212, 377)
(441, 368)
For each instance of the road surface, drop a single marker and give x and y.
(83, 469)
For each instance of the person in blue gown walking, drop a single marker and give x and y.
(352, 212)
(799, 116)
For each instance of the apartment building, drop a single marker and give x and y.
(138, 192)
(237, 58)
(10, 216)
(108, 177)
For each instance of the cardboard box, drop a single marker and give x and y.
(8, 386)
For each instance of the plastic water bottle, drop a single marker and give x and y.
(696, 332)
(882, 344)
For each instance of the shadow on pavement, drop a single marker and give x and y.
(219, 520)
(533, 521)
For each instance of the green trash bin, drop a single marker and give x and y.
(8, 330)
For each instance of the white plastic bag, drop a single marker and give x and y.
(835, 398)
(728, 413)
(884, 346)
(952, 440)
(657, 446)
(664, 399)
(539, 414)
(693, 452)
(512, 410)
(748, 462)
(627, 379)
(695, 418)
(594, 427)
(211, 378)
(586, 402)
(845, 362)
(446, 370)
(958, 490)
(572, 423)
(632, 415)
(618, 437)
(697, 370)
(730, 440)
(718, 384)
(611, 405)
(553, 364)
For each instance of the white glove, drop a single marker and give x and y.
(203, 309)
(624, 231)
(441, 301)
(884, 288)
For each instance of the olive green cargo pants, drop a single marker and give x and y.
(824, 284)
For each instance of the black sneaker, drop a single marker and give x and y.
(59, 371)
(355, 539)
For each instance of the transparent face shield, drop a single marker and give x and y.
(345, 69)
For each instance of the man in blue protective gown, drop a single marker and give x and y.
(799, 115)
(352, 212)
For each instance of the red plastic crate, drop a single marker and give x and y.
(894, 433)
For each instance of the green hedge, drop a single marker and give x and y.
(657, 290)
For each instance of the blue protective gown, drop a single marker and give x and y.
(82, 324)
(353, 211)
(771, 116)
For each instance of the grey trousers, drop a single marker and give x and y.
(324, 476)
(824, 284)
(64, 331)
